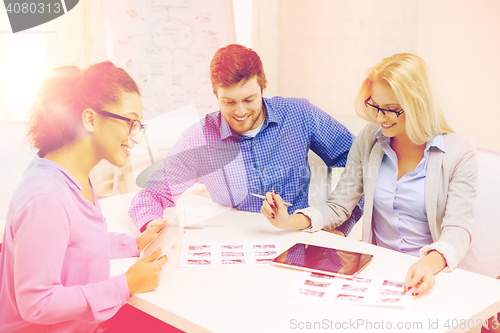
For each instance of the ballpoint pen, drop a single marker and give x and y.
(263, 197)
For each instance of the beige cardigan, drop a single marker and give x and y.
(450, 192)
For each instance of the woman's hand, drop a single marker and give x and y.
(420, 276)
(276, 213)
(144, 275)
(154, 227)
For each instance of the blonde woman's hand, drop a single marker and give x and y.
(276, 213)
(420, 276)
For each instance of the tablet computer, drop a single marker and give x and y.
(165, 239)
(323, 260)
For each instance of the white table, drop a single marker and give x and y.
(254, 299)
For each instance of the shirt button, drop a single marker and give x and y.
(255, 143)
(261, 170)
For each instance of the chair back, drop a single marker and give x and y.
(483, 256)
(320, 186)
(162, 133)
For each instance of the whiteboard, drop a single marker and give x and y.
(167, 46)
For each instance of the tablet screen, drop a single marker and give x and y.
(323, 259)
(166, 238)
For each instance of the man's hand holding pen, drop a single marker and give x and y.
(274, 209)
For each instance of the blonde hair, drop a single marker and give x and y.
(412, 83)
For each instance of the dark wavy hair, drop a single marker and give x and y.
(233, 64)
(65, 93)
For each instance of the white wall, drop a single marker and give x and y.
(322, 49)
(76, 38)
(460, 40)
(243, 21)
(316, 49)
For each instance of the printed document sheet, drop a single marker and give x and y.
(361, 290)
(228, 254)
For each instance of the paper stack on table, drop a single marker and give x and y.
(228, 254)
(360, 290)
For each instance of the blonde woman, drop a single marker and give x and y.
(418, 177)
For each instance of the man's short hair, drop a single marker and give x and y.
(233, 64)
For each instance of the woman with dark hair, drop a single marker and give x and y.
(55, 260)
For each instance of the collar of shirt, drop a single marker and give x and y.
(253, 132)
(399, 214)
(437, 141)
(43, 162)
(270, 117)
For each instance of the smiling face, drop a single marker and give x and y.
(113, 141)
(383, 96)
(241, 105)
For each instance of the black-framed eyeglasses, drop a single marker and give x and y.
(135, 125)
(377, 109)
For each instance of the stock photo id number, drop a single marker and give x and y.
(25, 14)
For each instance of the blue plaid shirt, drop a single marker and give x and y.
(233, 166)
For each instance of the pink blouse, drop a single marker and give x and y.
(55, 259)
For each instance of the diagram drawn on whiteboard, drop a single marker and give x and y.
(167, 46)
